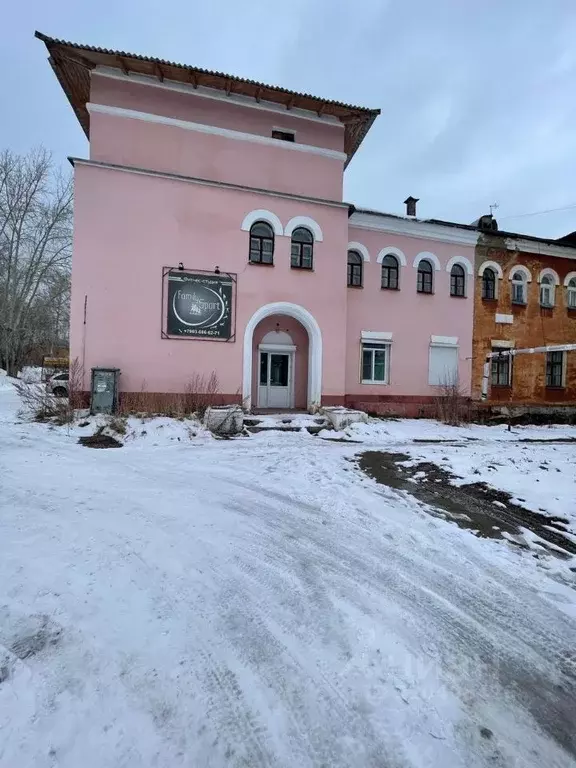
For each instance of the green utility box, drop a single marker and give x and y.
(104, 390)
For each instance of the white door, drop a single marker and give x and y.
(275, 382)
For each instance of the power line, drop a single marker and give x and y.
(538, 213)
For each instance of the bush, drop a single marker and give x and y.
(200, 392)
(451, 405)
(41, 405)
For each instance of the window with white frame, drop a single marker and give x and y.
(443, 363)
(375, 362)
(519, 292)
(546, 291)
(571, 293)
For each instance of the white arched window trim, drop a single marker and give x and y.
(523, 270)
(549, 273)
(361, 249)
(431, 257)
(308, 223)
(314, 348)
(491, 265)
(569, 276)
(262, 215)
(463, 261)
(390, 250)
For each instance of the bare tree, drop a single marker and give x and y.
(35, 251)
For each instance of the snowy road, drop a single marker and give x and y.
(260, 602)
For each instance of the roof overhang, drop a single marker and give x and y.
(73, 62)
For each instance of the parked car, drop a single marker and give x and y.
(58, 384)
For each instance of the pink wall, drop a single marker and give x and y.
(136, 143)
(299, 337)
(128, 226)
(198, 109)
(411, 317)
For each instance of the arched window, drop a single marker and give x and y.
(355, 264)
(424, 277)
(390, 272)
(457, 281)
(488, 284)
(301, 249)
(519, 293)
(546, 291)
(571, 293)
(261, 243)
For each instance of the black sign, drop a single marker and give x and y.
(199, 305)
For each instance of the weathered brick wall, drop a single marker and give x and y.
(533, 326)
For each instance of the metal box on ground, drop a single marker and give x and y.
(104, 390)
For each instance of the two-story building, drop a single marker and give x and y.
(211, 237)
(525, 298)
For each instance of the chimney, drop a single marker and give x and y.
(410, 204)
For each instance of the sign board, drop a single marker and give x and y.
(199, 305)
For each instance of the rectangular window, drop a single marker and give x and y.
(518, 295)
(555, 369)
(501, 370)
(443, 365)
(263, 368)
(375, 359)
(283, 135)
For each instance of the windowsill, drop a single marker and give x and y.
(495, 299)
(387, 288)
(518, 303)
(546, 306)
(425, 293)
(555, 386)
(457, 296)
(355, 286)
(260, 264)
(501, 386)
(302, 269)
(380, 383)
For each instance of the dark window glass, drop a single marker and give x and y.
(390, 272)
(366, 365)
(283, 135)
(518, 288)
(264, 368)
(457, 280)
(424, 277)
(261, 243)
(279, 370)
(355, 263)
(554, 369)
(501, 370)
(301, 249)
(489, 284)
(374, 362)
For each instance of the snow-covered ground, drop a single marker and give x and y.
(186, 601)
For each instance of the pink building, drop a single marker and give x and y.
(211, 236)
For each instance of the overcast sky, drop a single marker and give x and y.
(477, 98)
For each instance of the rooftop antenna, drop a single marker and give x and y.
(494, 207)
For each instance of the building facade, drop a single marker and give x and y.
(525, 297)
(212, 242)
(211, 237)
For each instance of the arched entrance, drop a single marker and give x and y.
(314, 367)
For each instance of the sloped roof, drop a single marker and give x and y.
(72, 63)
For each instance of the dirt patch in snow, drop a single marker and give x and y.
(99, 441)
(487, 511)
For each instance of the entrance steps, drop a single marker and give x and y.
(286, 422)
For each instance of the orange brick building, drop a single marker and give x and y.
(525, 296)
